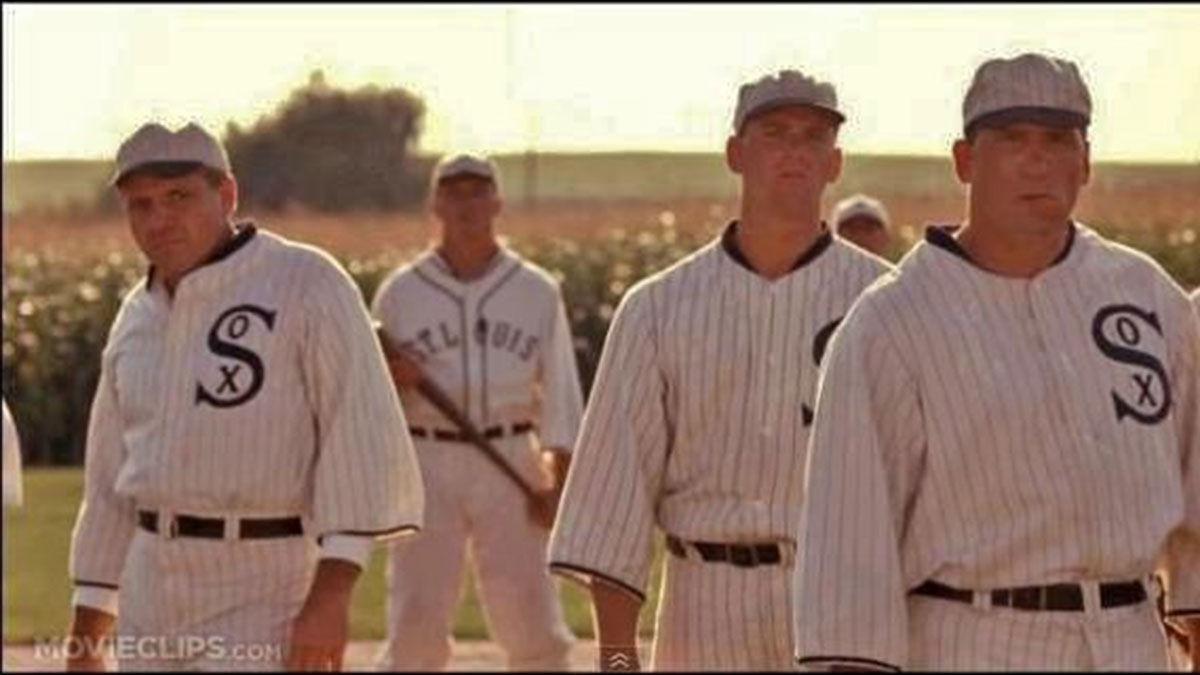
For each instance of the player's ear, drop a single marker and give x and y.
(497, 203)
(733, 153)
(962, 160)
(1087, 161)
(228, 191)
(835, 166)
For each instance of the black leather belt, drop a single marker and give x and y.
(214, 528)
(491, 432)
(1057, 597)
(740, 555)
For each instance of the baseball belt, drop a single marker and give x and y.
(214, 528)
(739, 555)
(1056, 597)
(491, 432)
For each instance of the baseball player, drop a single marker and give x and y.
(1007, 435)
(13, 493)
(700, 411)
(245, 445)
(491, 330)
(864, 222)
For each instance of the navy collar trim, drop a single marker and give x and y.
(942, 236)
(730, 245)
(243, 233)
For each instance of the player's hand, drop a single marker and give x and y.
(1193, 632)
(85, 663)
(86, 639)
(543, 508)
(404, 369)
(319, 634)
(619, 660)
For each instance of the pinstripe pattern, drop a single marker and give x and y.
(695, 426)
(323, 437)
(501, 346)
(967, 431)
(1028, 80)
(13, 490)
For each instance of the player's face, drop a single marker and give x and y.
(789, 154)
(1024, 175)
(177, 222)
(867, 233)
(466, 205)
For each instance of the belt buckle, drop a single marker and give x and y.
(171, 531)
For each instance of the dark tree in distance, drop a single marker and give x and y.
(333, 150)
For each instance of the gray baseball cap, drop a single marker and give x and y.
(467, 164)
(859, 205)
(1027, 88)
(787, 87)
(153, 143)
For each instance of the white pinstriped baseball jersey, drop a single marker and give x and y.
(13, 490)
(259, 390)
(697, 425)
(989, 432)
(499, 346)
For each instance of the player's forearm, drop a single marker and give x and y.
(616, 617)
(1192, 628)
(333, 583)
(557, 462)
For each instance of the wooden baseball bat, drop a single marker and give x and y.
(438, 398)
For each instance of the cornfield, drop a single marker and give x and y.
(64, 281)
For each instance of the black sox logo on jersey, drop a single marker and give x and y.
(1118, 331)
(229, 328)
(820, 343)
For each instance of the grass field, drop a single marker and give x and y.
(36, 592)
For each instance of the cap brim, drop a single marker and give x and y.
(466, 172)
(1049, 117)
(157, 168)
(776, 104)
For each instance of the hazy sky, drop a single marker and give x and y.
(77, 79)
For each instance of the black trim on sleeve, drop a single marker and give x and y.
(388, 533)
(94, 584)
(574, 571)
(868, 664)
(1182, 614)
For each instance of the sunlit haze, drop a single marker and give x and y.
(597, 78)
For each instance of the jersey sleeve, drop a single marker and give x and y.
(366, 478)
(605, 525)
(866, 448)
(105, 523)
(1181, 558)
(561, 396)
(13, 495)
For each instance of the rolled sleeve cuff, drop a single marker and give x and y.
(99, 598)
(836, 664)
(354, 548)
(587, 576)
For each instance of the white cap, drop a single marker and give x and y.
(466, 164)
(787, 87)
(153, 143)
(859, 205)
(1029, 87)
